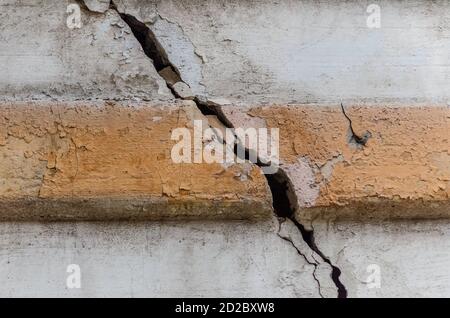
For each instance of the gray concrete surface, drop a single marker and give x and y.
(178, 259)
(234, 259)
(306, 51)
(42, 58)
(245, 51)
(389, 259)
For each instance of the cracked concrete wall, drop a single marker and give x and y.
(343, 173)
(402, 170)
(402, 258)
(43, 59)
(307, 51)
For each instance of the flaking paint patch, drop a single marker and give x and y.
(402, 169)
(327, 169)
(59, 154)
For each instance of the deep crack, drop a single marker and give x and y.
(283, 195)
(308, 237)
(315, 265)
(285, 205)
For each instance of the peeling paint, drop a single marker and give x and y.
(207, 106)
(68, 160)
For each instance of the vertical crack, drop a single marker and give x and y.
(307, 260)
(285, 205)
(308, 237)
(283, 194)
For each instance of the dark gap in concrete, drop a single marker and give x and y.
(308, 237)
(283, 195)
(285, 205)
(209, 108)
(153, 49)
(151, 46)
(284, 198)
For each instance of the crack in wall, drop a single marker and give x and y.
(355, 138)
(194, 76)
(313, 263)
(285, 204)
(283, 195)
(308, 237)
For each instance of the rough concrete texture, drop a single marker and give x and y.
(402, 171)
(103, 160)
(100, 6)
(410, 256)
(322, 270)
(306, 51)
(176, 259)
(44, 59)
(112, 160)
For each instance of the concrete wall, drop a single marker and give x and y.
(86, 115)
(174, 259)
(307, 51)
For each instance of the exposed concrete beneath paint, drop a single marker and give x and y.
(303, 178)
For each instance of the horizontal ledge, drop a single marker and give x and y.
(378, 209)
(360, 161)
(136, 209)
(113, 161)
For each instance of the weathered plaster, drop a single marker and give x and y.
(401, 172)
(235, 53)
(97, 160)
(411, 255)
(153, 259)
(313, 52)
(43, 59)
